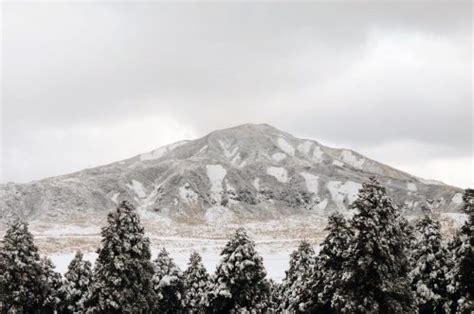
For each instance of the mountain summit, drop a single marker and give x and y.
(250, 171)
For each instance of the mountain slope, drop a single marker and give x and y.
(250, 171)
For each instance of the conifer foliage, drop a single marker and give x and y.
(461, 277)
(431, 264)
(27, 284)
(77, 280)
(168, 284)
(239, 283)
(123, 271)
(328, 273)
(375, 273)
(196, 282)
(53, 290)
(296, 292)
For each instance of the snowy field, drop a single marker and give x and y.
(275, 263)
(275, 239)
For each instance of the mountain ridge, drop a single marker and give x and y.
(246, 171)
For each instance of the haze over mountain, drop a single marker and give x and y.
(246, 172)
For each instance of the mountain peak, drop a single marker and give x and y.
(250, 171)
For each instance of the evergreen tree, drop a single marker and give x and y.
(328, 272)
(121, 281)
(409, 238)
(168, 284)
(239, 283)
(53, 290)
(196, 282)
(461, 277)
(23, 282)
(375, 273)
(295, 286)
(275, 296)
(431, 264)
(77, 280)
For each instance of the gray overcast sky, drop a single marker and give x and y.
(85, 84)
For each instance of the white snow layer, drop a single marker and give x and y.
(279, 173)
(341, 190)
(275, 262)
(457, 198)
(157, 153)
(337, 163)
(318, 154)
(286, 147)
(226, 149)
(322, 205)
(256, 183)
(349, 158)
(114, 197)
(304, 147)
(311, 182)
(218, 213)
(138, 188)
(411, 186)
(216, 174)
(278, 157)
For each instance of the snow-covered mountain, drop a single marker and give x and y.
(250, 171)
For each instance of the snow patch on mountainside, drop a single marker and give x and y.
(339, 191)
(312, 182)
(318, 154)
(457, 198)
(279, 173)
(114, 197)
(218, 213)
(278, 157)
(226, 149)
(411, 187)
(349, 158)
(138, 188)
(256, 183)
(305, 147)
(216, 174)
(322, 205)
(285, 146)
(337, 163)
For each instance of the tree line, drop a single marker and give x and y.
(375, 262)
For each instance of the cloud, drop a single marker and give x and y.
(360, 75)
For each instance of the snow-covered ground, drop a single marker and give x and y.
(275, 263)
(275, 239)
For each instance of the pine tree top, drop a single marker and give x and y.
(165, 265)
(195, 261)
(77, 267)
(124, 235)
(19, 239)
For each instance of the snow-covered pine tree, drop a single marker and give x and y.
(196, 283)
(275, 296)
(296, 291)
(77, 280)
(375, 273)
(22, 284)
(461, 277)
(121, 280)
(431, 264)
(168, 284)
(53, 291)
(408, 230)
(328, 271)
(239, 283)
